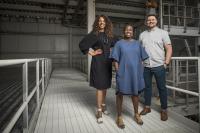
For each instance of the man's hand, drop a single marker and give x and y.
(168, 48)
(165, 65)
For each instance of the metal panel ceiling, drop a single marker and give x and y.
(70, 12)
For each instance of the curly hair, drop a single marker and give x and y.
(108, 27)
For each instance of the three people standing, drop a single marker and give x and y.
(129, 56)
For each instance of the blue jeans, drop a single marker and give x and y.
(159, 74)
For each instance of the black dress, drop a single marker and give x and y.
(101, 65)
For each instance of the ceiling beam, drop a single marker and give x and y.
(37, 1)
(136, 3)
(121, 15)
(120, 8)
(42, 4)
(28, 8)
(32, 14)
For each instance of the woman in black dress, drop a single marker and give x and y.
(98, 44)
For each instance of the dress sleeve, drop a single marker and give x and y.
(87, 42)
(115, 54)
(143, 53)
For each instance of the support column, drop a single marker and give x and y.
(199, 16)
(0, 46)
(161, 14)
(1, 40)
(90, 21)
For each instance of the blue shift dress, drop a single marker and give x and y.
(129, 77)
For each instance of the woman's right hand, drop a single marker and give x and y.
(98, 51)
(91, 53)
(116, 66)
(95, 52)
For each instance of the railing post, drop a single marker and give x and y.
(46, 73)
(174, 78)
(38, 82)
(43, 76)
(177, 72)
(25, 95)
(199, 87)
(187, 85)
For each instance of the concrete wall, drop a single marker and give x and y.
(31, 40)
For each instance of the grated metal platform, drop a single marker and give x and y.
(69, 107)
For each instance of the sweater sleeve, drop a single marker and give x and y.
(87, 42)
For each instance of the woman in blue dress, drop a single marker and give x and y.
(128, 55)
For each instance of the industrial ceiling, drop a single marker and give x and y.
(70, 13)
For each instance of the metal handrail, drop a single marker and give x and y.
(15, 61)
(185, 58)
(182, 90)
(175, 74)
(23, 109)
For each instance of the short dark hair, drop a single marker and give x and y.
(148, 15)
(126, 25)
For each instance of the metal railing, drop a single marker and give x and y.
(180, 15)
(46, 69)
(185, 70)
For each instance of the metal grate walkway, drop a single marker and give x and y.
(69, 107)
